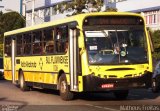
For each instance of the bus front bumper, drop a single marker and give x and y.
(94, 83)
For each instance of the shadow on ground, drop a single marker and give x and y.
(135, 94)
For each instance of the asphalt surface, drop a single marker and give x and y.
(13, 99)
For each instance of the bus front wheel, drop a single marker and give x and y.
(155, 86)
(65, 93)
(121, 94)
(22, 82)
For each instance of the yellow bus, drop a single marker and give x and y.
(93, 52)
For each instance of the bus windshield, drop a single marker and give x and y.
(116, 45)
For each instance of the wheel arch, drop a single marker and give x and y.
(60, 73)
(19, 72)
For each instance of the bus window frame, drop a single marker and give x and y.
(27, 44)
(22, 46)
(67, 38)
(8, 37)
(39, 42)
(23, 54)
(150, 40)
(45, 42)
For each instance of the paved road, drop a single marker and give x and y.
(12, 98)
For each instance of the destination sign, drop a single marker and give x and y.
(113, 20)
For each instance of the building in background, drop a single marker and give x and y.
(12, 5)
(46, 10)
(1, 5)
(149, 9)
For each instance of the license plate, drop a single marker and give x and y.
(107, 85)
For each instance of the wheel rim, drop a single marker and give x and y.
(63, 87)
(154, 84)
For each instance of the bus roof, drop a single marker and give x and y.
(77, 18)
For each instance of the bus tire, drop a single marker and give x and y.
(155, 86)
(22, 83)
(64, 90)
(121, 94)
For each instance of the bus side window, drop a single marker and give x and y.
(37, 42)
(7, 51)
(49, 41)
(27, 44)
(62, 39)
(19, 45)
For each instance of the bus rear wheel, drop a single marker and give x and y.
(65, 93)
(22, 82)
(121, 94)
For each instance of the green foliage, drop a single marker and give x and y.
(9, 21)
(12, 21)
(156, 44)
(80, 5)
(97, 4)
(111, 9)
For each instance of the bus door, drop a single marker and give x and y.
(13, 43)
(73, 57)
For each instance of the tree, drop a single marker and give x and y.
(109, 9)
(83, 6)
(12, 21)
(156, 44)
(9, 21)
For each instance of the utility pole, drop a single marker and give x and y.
(24, 8)
(21, 7)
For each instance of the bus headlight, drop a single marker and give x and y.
(140, 74)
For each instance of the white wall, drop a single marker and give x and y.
(38, 3)
(41, 3)
(11, 4)
(1, 5)
(131, 5)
